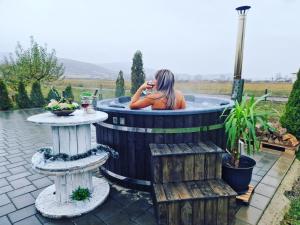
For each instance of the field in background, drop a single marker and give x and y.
(198, 87)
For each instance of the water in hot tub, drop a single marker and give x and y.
(189, 105)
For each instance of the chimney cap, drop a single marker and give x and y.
(243, 9)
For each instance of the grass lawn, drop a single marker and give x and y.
(292, 217)
(276, 108)
(206, 87)
(200, 87)
(197, 87)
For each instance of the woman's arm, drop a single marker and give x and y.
(183, 103)
(137, 102)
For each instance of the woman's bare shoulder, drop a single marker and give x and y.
(179, 93)
(155, 95)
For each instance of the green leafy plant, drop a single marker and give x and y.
(36, 95)
(137, 72)
(68, 93)
(240, 123)
(62, 104)
(22, 98)
(86, 94)
(81, 194)
(120, 88)
(5, 102)
(53, 94)
(291, 117)
(35, 63)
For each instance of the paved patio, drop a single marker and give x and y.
(20, 185)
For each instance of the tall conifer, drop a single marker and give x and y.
(5, 102)
(291, 116)
(22, 98)
(137, 72)
(120, 88)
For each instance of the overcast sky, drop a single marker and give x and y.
(191, 36)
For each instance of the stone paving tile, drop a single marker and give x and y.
(48, 221)
(16, 159)
(146, 218)
(122, 207)
(6, 174)
(249, 214)
(4, 163)
(272, 181)
(18, 176)
(138, 207)
(240, 222)
(4, 221)
(3, 169)
(18, 169)
(22, 213)
(22, 182)
(4, 200)
(42, 182)
(265, 190)
(259, 201)
(21, 191)
(3, 159)
(35, 176)
(13, 165)
(256, 177)
(4, 210)
(108, 209)
(88, 219)
(14, 155)
(32, 220)
(5, 189)
(3, 182)
(36, 192)
(120, 218)
(23, 201)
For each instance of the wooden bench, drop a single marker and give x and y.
(187, 185)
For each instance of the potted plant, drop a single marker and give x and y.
(62, 107)
(240, 124)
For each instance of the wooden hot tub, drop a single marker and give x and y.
(130, 131)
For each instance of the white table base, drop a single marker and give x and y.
(47, 204)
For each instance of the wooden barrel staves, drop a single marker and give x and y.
(131, 131)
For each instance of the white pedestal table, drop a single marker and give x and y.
(71, 135)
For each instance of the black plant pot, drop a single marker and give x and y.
(238, 178)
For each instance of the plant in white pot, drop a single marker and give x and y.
(240, 124)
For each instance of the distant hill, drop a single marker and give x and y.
(126, 68)
(83, 70)
(78, 69)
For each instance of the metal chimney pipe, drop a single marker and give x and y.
(238, 84)
(242, 11)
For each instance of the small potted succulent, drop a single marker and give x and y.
(240, 125)
(62, 107)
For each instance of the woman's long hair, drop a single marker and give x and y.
(165, 83)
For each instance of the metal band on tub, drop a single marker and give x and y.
(163, 130)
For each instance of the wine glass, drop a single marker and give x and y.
(85, 103)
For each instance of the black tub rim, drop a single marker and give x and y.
(103, 105)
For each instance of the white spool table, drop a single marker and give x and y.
(71, 135)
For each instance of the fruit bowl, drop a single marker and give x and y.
(66, 112)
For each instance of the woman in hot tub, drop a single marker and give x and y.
(165, 96)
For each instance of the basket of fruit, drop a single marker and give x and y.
(62, 107)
